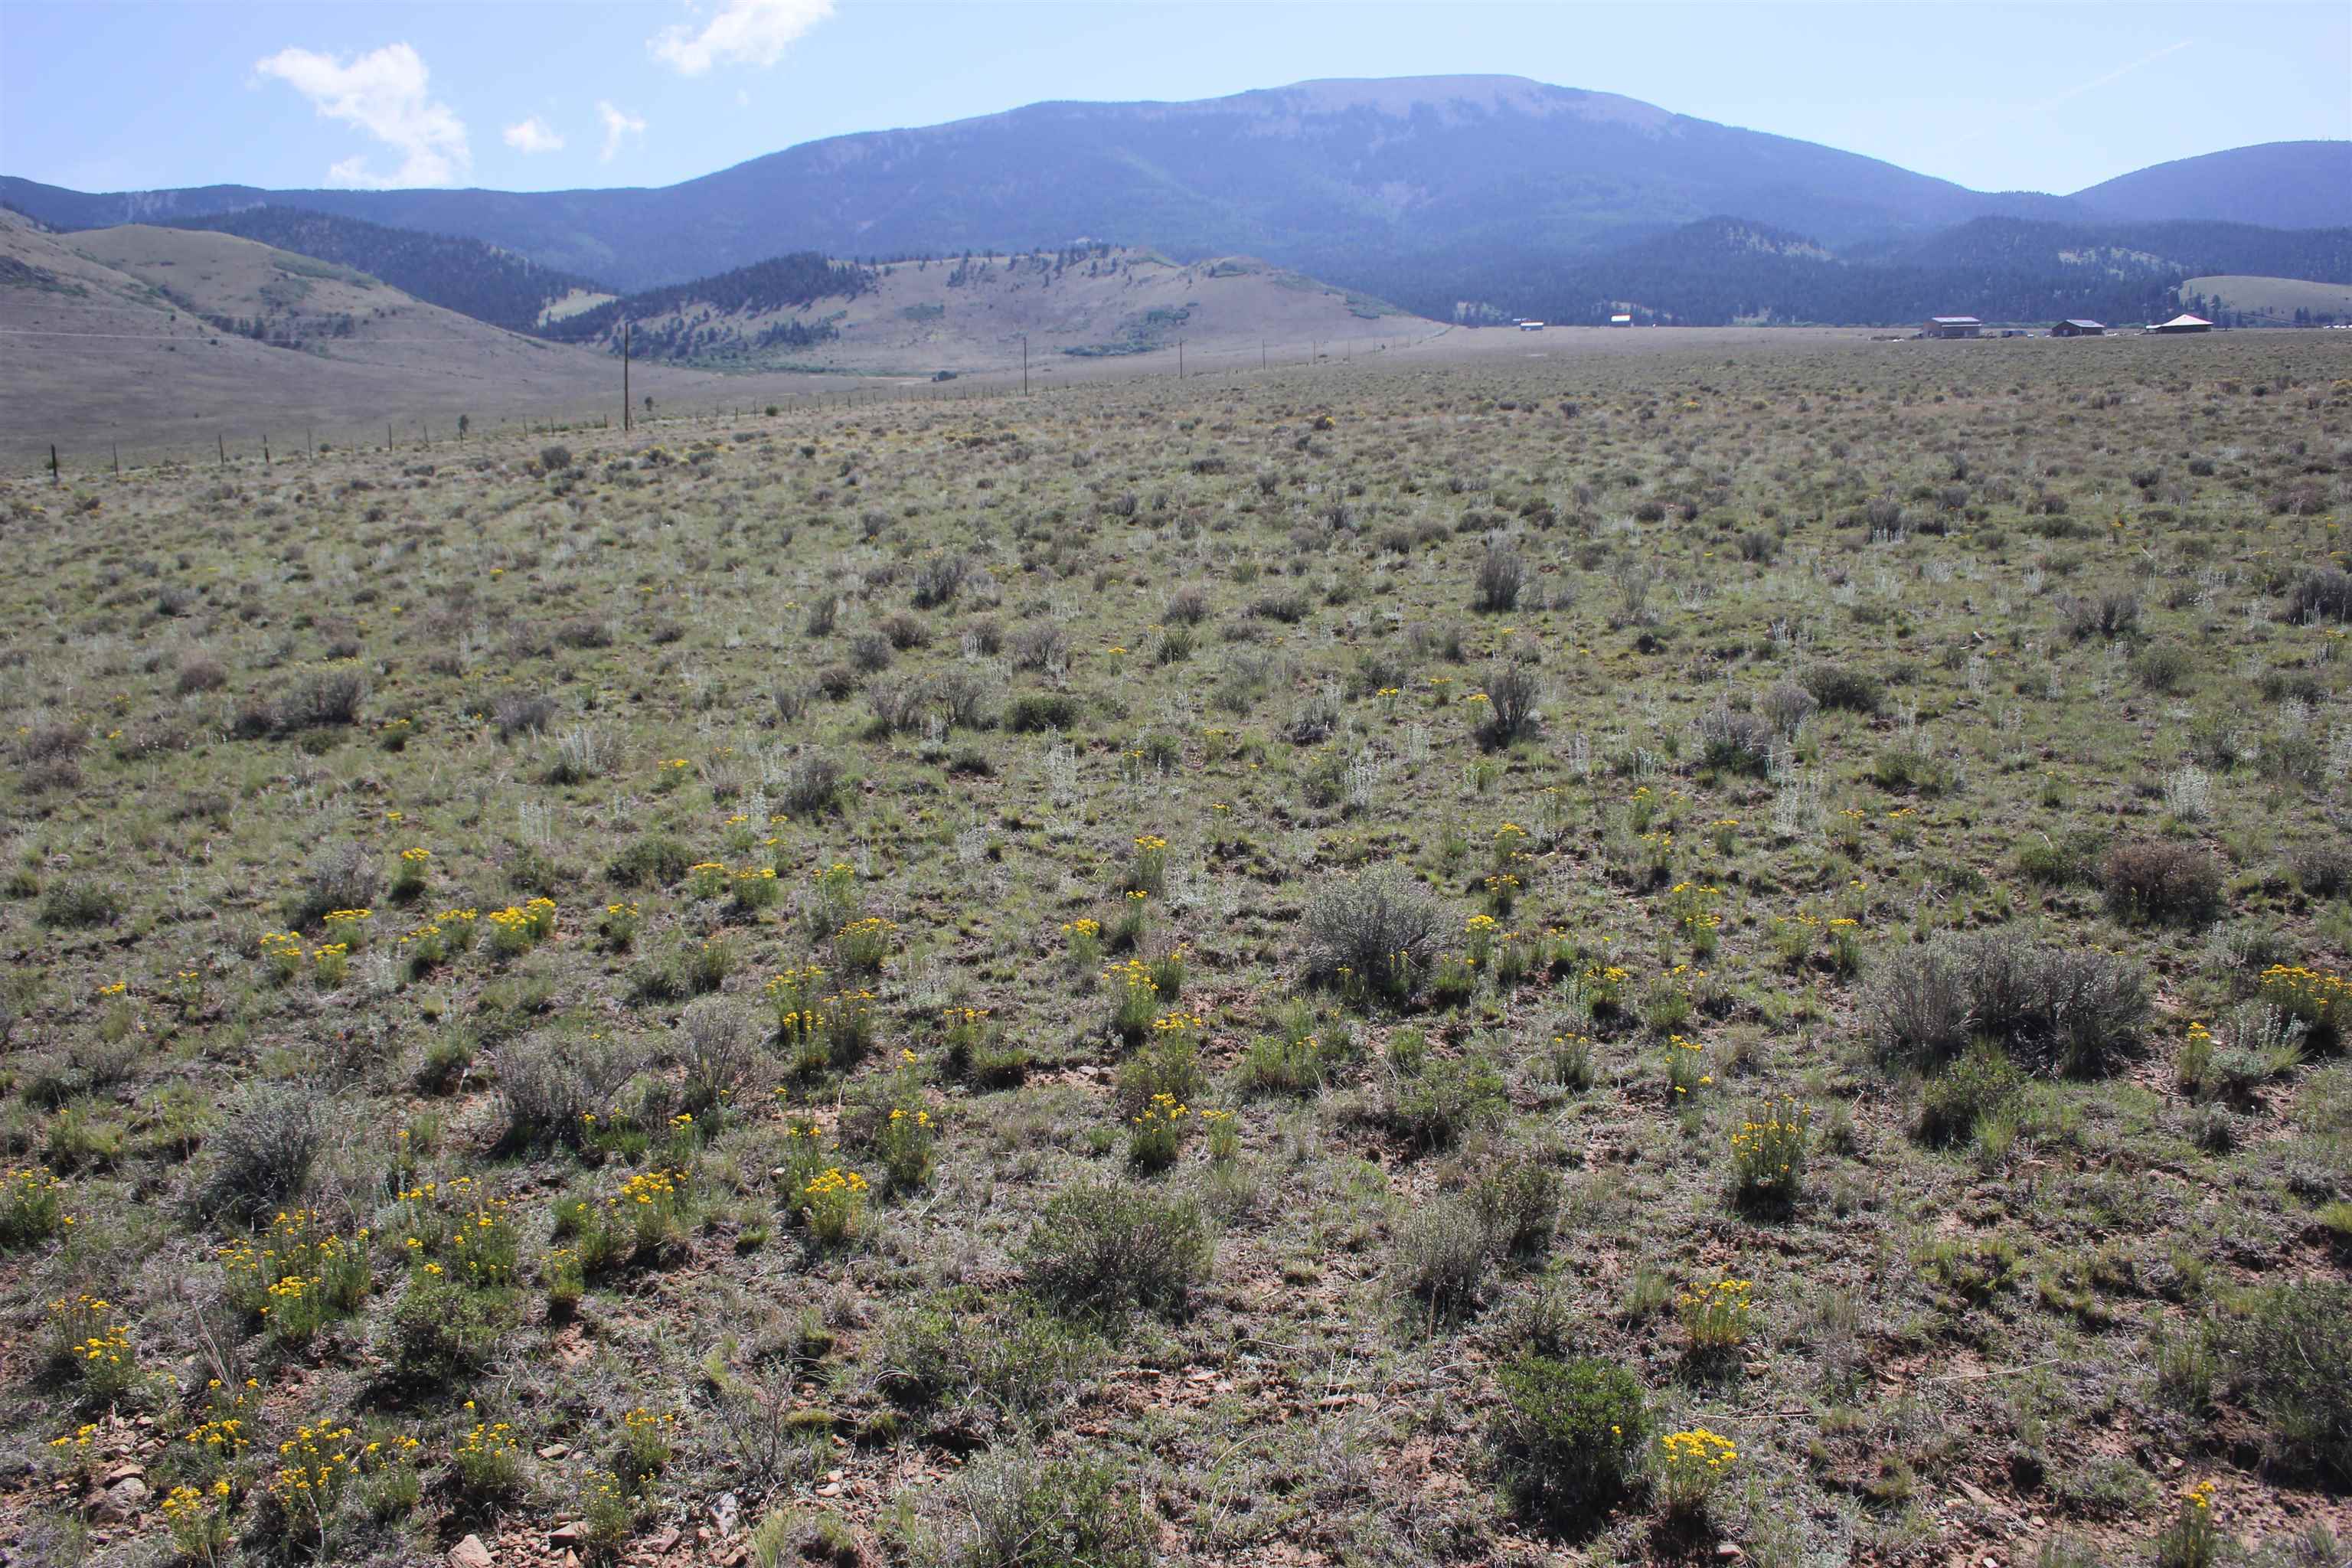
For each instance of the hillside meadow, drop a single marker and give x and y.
(1734, 953)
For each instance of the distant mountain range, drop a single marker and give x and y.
(1453, 197)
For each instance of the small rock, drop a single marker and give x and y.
(123, 1473)
(727, 1511)
(564, 1534)
(666, 1540)
(1729, 1552)
(470, 1553)
(118, 1504)
(553, 1451)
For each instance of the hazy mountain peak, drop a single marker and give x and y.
(1401, 97)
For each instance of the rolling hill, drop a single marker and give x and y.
(159, 338)
(2267, 300)
(463, 275)
(973, 312)
(2278, 184)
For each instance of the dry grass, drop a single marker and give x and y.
(852, 1227)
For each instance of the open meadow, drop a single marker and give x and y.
(1731, 950)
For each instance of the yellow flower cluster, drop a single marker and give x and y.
(1716, 1313)
(32, 1206)
(1694, 1462)
(1767, 1152)
(832, 1181)
(221, 1438)
(490, 1440)
(647, 1188)
(2319, 997)
(323, 1457)
(518, 928)
(88, 1332)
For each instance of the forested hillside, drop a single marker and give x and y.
(468, 276)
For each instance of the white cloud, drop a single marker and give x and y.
(617, 124)
(533, 135)
(384, 94)
(744, 32)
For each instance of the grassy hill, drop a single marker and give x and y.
(160, 338)
(970, 313)
(2276, 298)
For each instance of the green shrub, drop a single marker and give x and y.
(2163, 667)
(653, 860)
(1103, 1246)
(1980, 1082)
(1022, 1511)
(2064, 862)
(1170, 1065)
(2289, 1356)
(954, 1350)
(1449, 1097)
(1034, 711)
(74, 905)
(1835, 686)
(1515, 1207)
(1910, 769)
(2156, 880)
(1568, 1433)
(1272, 1065)
(441, 1332)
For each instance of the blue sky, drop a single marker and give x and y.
(557, 93)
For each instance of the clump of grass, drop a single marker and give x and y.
(2288, 1353)
(1107, 1247)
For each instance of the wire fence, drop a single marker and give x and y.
(229, 444)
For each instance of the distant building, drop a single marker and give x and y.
(1531, 326)
(1622, 319)
(2183, 322)
(2075, 327)
(1952, 327)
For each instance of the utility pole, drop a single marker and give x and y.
(1180, 358)
(53, 465)
(625, 375)
(1261, 353)
(1024, 364)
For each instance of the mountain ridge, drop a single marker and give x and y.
(1426, 191)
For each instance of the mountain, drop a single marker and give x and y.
(1406, 188)
(459, 274)
(1092, 301)
(1439, 192)
(2278, 184)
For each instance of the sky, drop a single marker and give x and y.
(552, 94)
